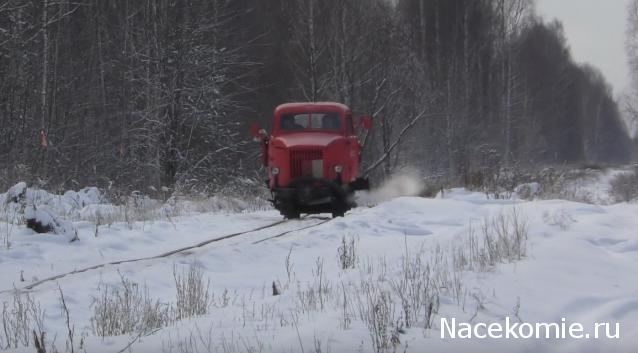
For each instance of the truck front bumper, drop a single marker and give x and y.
(311, 192)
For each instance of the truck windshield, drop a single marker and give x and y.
(310, 121)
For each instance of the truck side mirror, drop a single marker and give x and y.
(366, 122)
(257, 133)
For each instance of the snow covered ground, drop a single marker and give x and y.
(580, 264)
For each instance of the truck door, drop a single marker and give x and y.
(354, 149)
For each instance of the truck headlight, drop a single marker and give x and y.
(274, 170)
(338, 168)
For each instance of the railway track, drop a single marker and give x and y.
(170, 253)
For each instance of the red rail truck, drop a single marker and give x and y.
(312, 156)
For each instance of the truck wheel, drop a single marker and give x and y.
(291, 213)
(339, 209)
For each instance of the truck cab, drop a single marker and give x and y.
(312, 157)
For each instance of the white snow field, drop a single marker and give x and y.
(578, 262)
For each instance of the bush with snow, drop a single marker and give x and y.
(85, 197)
(40, 210)
(68, 205)
(90, 204)
(528, 191)
(42, 220)
(624, 186)
(590, 184)
(16, 193)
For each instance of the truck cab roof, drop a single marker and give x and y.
(309, 107)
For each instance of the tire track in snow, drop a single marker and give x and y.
(171, 253)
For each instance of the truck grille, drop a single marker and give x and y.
(306, 163)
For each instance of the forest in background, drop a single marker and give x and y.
(159, 94)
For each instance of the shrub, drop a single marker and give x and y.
(624, 186)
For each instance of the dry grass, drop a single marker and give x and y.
(193, 295)
(21, 319)
(347, 252)
(500, 239)
(127, 308)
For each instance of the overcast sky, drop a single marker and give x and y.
(595, 30)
